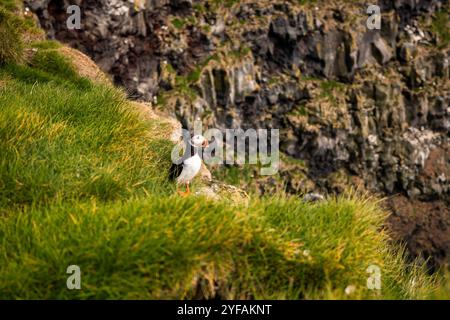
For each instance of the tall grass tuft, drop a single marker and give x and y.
(11, 45)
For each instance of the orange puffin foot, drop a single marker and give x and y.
(186, 193)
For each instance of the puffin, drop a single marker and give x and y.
(190, 166)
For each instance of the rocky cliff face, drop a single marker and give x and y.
(355, 106)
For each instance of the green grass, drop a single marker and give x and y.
(11, 44)
(53, 63)
(47, 44)
(241, 53)
(199, 7)
(235, 175)
(178, 23)
(226, 3)
(441, 27)
(299, 110)
(10, 5)
(166, 247)
(442, 290)
(63, 138)
(305, 2)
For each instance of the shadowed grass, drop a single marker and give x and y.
(59, 72)
(53, 63)
(168, 247)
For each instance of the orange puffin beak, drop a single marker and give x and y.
(205, 144)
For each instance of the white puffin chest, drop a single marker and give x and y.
(191, 167)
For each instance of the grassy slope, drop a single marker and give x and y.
(59, 141)
(167, 247)
(83, 181)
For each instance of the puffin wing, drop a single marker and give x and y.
(177, 168)
(175, 171)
